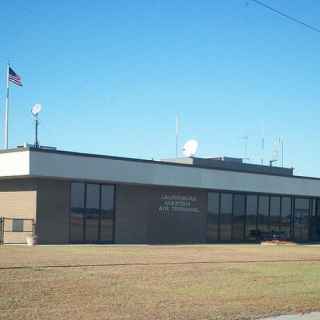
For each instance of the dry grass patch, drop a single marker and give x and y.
(158, 282)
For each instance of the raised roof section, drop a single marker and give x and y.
(229, 163)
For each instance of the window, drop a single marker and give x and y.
(285, 225)
(263, 216)
(17, 225)
(77, 212)
(315, 221)
(77, 197)
(251, 219)
(92, 198)
(226, 217)
(238, 217)
(301, 219)
(92, 213)
(107, 213)
(317, 208)
(213, 217)
(274, 219)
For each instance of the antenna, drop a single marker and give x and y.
(245, 154)
(36, 109)
(190, 148)
(275, 152)
(281, 143)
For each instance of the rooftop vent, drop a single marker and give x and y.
(29, 145)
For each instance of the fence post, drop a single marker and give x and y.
(33, 230)
(1, 230)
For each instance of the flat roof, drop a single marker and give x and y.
(245, 169)
(30, 162)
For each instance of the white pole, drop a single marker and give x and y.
(282, 150)
(6, 124)
(177, 134)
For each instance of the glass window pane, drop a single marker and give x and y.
(274, 219)
(213, 202)
(238, 217)
(226, 217)
(318, 207)
(17, 225)
(77, 196)
(92, 212)
(213, 216)
(107, 198)
(93, 195)
(251, 219)
(313, 207)
(275, 206)
(301, 219)
(286, 217)
(263, 216)
(77, 212)
(315, 222)
(107, 207)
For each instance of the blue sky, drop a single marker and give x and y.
(112, 75)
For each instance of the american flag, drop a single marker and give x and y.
(15, 78)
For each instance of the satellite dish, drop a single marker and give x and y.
(190, 148)
(36, 109)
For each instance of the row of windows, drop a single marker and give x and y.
(240, 217)
(231, 216)
(92, 212)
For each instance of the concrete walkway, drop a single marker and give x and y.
(306, 316)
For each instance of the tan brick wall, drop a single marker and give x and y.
(18, 199)
(18, 204)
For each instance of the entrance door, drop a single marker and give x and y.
(77, 212)
(107, 213)
(91, 213)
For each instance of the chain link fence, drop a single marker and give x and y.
(16, 231)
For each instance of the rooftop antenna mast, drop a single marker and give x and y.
(36, 109)
(281, 143)
(275, 152)
(245, 155)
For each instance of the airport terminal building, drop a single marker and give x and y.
(71, 197)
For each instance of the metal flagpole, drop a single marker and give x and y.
(6, 124)
(177, 134)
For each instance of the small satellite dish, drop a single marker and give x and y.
(190, 148)
(36, 109)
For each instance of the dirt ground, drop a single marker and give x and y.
(158, 282)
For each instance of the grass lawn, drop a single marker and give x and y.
(158, 282)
